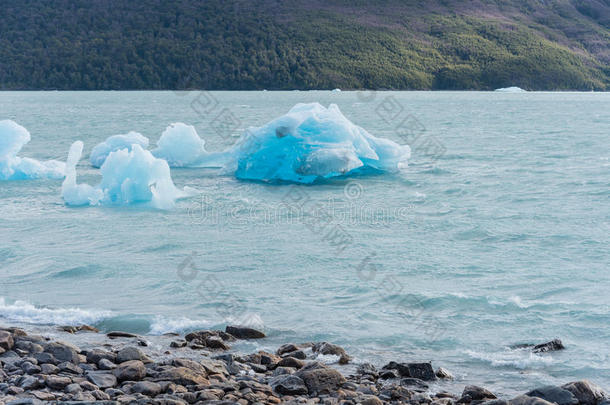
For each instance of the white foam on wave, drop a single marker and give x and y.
(25, 312)
(520, 359)
(13, 137)
(161, 325)
(128, 177)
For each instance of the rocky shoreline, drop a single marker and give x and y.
(197, 369)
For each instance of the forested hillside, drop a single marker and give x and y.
(270, 44)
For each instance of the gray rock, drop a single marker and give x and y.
(29, 383)
(95, 355)
(28, 346)
(30, 368)
(215, 342)
(102, 380)
(49, 369)
(291, 362)
(105, 364)
(367, 369)
(585, 392)
(551, 346)
(57, 382)
(130, 353)
(242, 332)
(527, 400)
(25, 401)
(477, 393)
(133, 370)
(6, 340)
(70, 368)
(287, 348)
(283, 371)
(88, 386)
(73, 388)
(443, 374)
(496, 402)
(555, 394)
(43, 358)
(63, 352)
(288, 385)
(321, 379)
(147, 388)
(423, 371)
(178, 343)
(298, 354)
(414, 383)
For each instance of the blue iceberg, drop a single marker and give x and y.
(116, 142)
(12, 167)
(128, 176)
(309, 143)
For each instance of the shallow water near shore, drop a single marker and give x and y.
(499, 238)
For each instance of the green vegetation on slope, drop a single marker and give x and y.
(444, 44)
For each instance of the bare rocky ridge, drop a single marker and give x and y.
(35, 370)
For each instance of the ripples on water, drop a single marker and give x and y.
(503, 240)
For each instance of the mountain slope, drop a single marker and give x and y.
(237, 44)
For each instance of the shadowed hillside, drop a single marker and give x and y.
(438, 44)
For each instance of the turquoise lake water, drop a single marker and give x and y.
(496, 234)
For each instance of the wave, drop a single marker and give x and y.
(520, 359)
(24, 312)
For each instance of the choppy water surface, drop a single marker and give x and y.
(495, 235)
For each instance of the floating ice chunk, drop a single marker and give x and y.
(180, 146)
(511, 90)
(337, 90)
(12, 167)
(308, 143)
(101, 151)
(128, 176)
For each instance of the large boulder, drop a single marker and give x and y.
(423, 371)
(63, 352)
(133, 370)
(585, 392)
(242, 332)
(320, 379)
(554, 394)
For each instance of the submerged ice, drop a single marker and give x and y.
(311, 142)
(13, 137)
(128, 176)
(116, 142)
